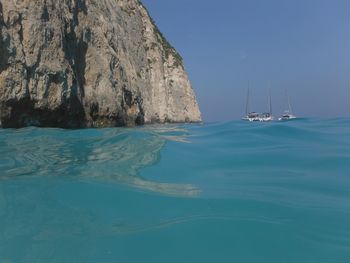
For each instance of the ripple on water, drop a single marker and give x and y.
(226, 192)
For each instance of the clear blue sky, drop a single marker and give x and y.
(299, 45)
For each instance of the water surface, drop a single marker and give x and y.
(220, 192)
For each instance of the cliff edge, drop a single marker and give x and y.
(88, 63)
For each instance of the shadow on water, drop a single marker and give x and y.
(60, 190)
(106, 156)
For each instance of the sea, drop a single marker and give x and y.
(240, 192)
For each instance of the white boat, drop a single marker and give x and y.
(288, 114)
(267, 116)
(250, 116)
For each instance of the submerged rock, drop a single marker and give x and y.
(88, 63)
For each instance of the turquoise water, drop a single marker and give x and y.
(222, 192)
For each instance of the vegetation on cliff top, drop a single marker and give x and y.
(168, 48)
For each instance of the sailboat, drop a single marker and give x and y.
(288, 114)
(249, 116)
(267, 116)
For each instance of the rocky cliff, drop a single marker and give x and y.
(88, 63)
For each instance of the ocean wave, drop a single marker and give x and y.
(109, 155)
(281, 189)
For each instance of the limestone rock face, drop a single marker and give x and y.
(88, 63)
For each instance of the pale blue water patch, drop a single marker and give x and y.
(221, 192)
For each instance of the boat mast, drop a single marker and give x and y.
(270, 101)
(247, 102)
(289, 105)
(289, 108)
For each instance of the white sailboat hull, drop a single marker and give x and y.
(287, 118)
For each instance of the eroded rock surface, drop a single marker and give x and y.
(88, 63)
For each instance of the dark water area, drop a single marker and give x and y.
(219, 192)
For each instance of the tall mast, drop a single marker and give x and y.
(289, 106)
(247, 110)
(270, 102)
